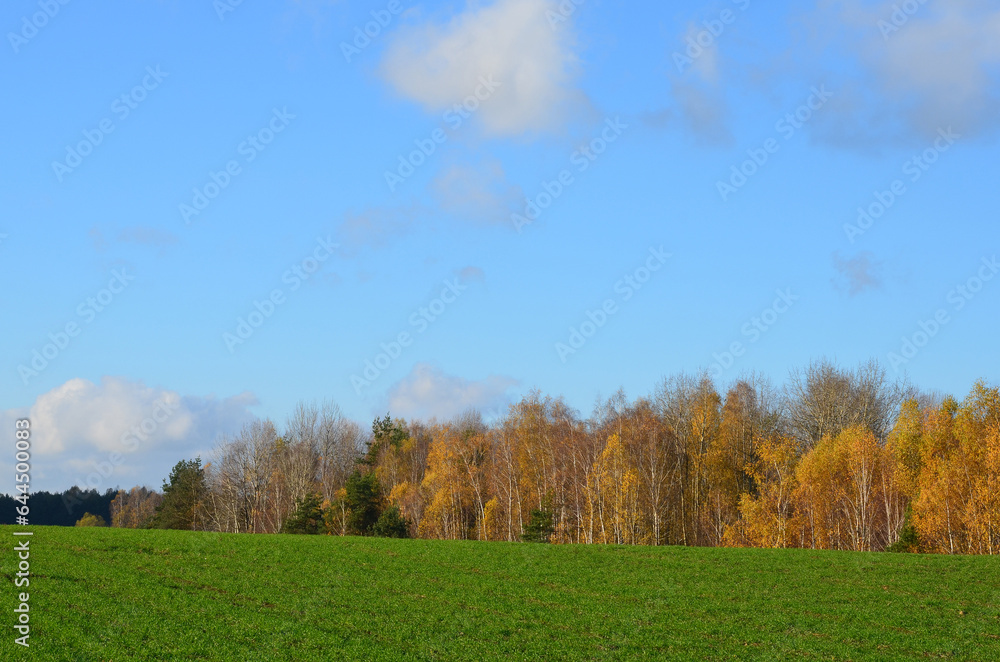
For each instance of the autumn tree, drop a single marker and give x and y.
(336, 513)
(451, 511)
(767, 518)
(134, 509)
(902, 473)
(616, 487)
(840, 459)
(647, 446)
(956, 510)
(748, 414)
(939, 503)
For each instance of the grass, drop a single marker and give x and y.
(109, 594)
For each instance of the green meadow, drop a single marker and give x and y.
(115, 594)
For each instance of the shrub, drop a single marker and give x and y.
(91, 520)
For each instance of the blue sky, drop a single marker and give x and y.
(120, 116)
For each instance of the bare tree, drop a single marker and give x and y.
(240, 476)
(824, 400)
(133, 509)
(339, 442)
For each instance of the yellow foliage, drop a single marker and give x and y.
(491, 523)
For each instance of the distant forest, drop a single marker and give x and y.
(836, 458)
(59, 508)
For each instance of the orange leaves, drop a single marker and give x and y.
(956, 509)
(906, 444)
(685, 467)
(491, 525)
(447, 488)
(616, 495)
(767, 517)
(984, 512)
(844, 484)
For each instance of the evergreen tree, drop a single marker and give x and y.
(540, 526)
(183, 494)
(391, 524)
(364, 499)
(385, 433)
(908, 538)
(307, 518)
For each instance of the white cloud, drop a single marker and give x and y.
(510, 41)
(428, 392)
(80, 424)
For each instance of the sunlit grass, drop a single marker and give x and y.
(108, 594)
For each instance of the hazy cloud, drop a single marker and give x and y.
(477, 192)
(427, 392)
(936, 68)
(97, 238)
(857, 274)
(704, 111)
(139, 235)
(698, 92)
(375, 227)
(146, 236)
(472, 273)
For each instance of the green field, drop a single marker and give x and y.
(111, 594)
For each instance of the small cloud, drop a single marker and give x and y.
(146, 236)
(706, 63)
(427, 392)
(857, 274)
(704, 112)
(97, 238)
(658, 119)
(471, 274)
(478, 193)
(376, 227)
(316, 12)
(510, 42)
(138, 235)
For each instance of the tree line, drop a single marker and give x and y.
(836, 458)
(60, 508)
